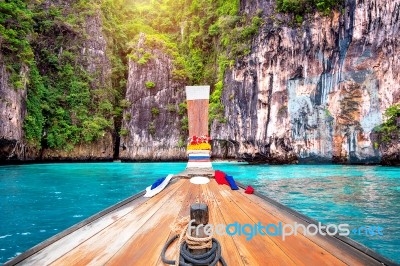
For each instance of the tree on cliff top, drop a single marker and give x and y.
(390, 129)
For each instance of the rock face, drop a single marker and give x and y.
(390, 153)
(313, 92)
(12, 114)
(13, 103)
(100, 150)
(94, 52)
(152, 122)
(94, 59)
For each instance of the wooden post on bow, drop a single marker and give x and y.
(199, 213)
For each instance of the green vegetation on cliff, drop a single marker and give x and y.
(301, 7)
(15, 29)
(65, 105)
(390, 129)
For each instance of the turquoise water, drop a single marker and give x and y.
(40, 200)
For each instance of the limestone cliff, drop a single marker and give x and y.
(93, 57)
(313, 92)
(12, 114)
(152, 123)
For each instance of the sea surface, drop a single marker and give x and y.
(38, 201)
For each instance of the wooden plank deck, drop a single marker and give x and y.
(135, 233)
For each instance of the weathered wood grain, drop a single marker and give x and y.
(296, 247)
(230, 252)
(260, 250)
(71, 241)
(99, 248)
(146, 244)
(198, 117)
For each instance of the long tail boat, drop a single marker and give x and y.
(134, 231)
